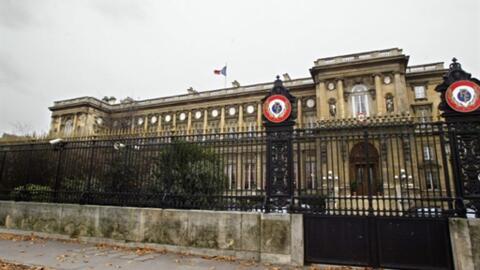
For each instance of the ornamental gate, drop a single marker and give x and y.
(377, 193)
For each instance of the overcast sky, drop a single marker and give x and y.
(53, 50)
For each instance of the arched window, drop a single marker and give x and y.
(360, 100)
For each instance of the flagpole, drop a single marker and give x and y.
(226, 76)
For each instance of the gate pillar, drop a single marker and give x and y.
(278, 116)
(460, 106)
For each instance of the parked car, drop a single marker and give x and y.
(424, 212)
(471, 213)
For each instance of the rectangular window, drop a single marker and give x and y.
(427, 153)
(432, 180)
(360, 105)
(250, 172)
(310, 174)
(231, 171)
(423, 113)
(420, 92)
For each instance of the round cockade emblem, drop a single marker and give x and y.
(277, 108)
(463, 96)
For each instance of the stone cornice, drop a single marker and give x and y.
(179, 99)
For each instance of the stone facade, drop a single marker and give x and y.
(376, 84)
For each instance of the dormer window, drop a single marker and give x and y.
(420, 92)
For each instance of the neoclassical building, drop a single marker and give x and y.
(376, 84)
(374, 87)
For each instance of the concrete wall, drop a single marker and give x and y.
(263, 237)
(465, 237)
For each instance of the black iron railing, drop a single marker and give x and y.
(402, 169)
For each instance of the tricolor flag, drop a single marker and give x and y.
(222, 71)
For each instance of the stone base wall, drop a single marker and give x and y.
(273, 238)
(465, 238)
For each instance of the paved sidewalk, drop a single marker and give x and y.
(59, 254)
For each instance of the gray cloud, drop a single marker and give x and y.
(12, 79)
(121, 9)
(58, 49)
(17, 13)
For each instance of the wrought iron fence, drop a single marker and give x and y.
(401, 169)
(385, 169)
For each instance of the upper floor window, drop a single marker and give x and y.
(68, 127)
(360, 100)
(423, 113)
(432, 180)
(420, 92)
(427, 153)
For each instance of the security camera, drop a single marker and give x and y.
(56, 141)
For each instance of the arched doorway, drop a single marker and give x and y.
(364, 169)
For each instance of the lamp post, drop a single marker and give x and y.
(401, 182)
(332, 185)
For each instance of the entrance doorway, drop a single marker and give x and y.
(364, 170)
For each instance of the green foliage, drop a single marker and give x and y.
(188, 173)
(353, 186)
(121, 174)
(32, 192)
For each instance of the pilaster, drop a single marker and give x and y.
(299, 113)
(259, 116)
(74, 124)
(321, 99)
(205, 121)
(240, 118)
(400, 92)
(59, 124)
(341, 103)
(222, 119)
(174, 121)
(145, 124)
(189, 123)
(159, 127)
(379, 95)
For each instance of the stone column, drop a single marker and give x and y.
(340, 101)
(240, 118)
(132, 126)
(205, 121)
(189, 122)
(74, 124)
(59, 124)
(222, 119)
(321, 101)
(299, 113)
(259, 116)
(159, 128)
(174, 121)
(379, 95)
(89, 122)
(400, 93)
(145, 124)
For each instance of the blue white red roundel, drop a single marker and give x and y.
(277, 108)
(463, 96)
